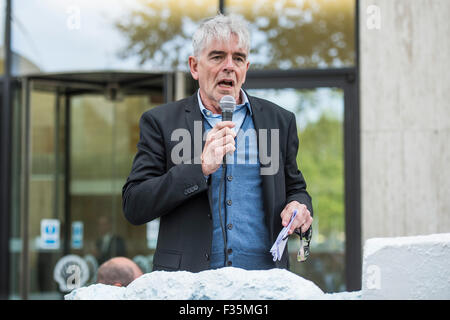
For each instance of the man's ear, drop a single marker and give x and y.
(193, 66)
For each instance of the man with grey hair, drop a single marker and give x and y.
(214, 215)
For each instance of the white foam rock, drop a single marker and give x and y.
(97, 292)
(393, 268)
(407, 267)
(220, 284)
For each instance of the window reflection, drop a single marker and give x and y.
(286, 34)
(319, 115)
(156, 35)
(159, 33)
(55, 35)
(44, 200)
(294, 34)
(104, 138)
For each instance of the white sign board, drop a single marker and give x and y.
(77, 235)
(50, 234)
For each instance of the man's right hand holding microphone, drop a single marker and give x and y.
(219, 142)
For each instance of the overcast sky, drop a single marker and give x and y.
(63, 35)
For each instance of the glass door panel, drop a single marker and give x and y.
(82, 212)
(104, 135)
(45, 199)
(319, 114)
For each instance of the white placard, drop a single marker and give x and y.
(50, 234)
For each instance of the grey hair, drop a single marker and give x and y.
(221, 27)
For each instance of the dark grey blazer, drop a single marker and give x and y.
(178, 193)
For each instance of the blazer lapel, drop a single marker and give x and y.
(194, 123)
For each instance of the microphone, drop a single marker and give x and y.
(227, 104)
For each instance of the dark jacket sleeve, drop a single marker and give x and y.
(151, 189)
(295, 183)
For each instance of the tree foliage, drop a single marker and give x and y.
(321, 159)
(286, 34)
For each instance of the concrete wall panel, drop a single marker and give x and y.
(405, 117)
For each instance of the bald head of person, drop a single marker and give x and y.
(119, 271)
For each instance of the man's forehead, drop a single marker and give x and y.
(222, 45)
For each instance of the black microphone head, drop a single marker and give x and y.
(227, 104)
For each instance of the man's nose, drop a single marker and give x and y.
(228, 64)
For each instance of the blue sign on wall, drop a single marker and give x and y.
(77, 235)
(50, 234)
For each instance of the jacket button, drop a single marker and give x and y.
(229, 178)
(230, 251)
(229, 263)
(229, 202)
(195, 188)
(230, 226)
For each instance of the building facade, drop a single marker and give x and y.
(73, 134)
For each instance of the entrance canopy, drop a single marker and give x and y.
(112, 83)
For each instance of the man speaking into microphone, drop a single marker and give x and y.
(227, 201)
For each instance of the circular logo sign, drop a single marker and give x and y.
(71, 272)
(93, 266)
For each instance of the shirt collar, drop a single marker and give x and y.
(208, 113)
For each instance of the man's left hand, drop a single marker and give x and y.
(302, 220)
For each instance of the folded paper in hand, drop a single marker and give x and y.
(279, 245)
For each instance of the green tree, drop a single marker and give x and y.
(321, 160)
(160, 31)
(286, 34)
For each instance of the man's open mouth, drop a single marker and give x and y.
(226, 83)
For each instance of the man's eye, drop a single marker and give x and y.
(216, 57)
